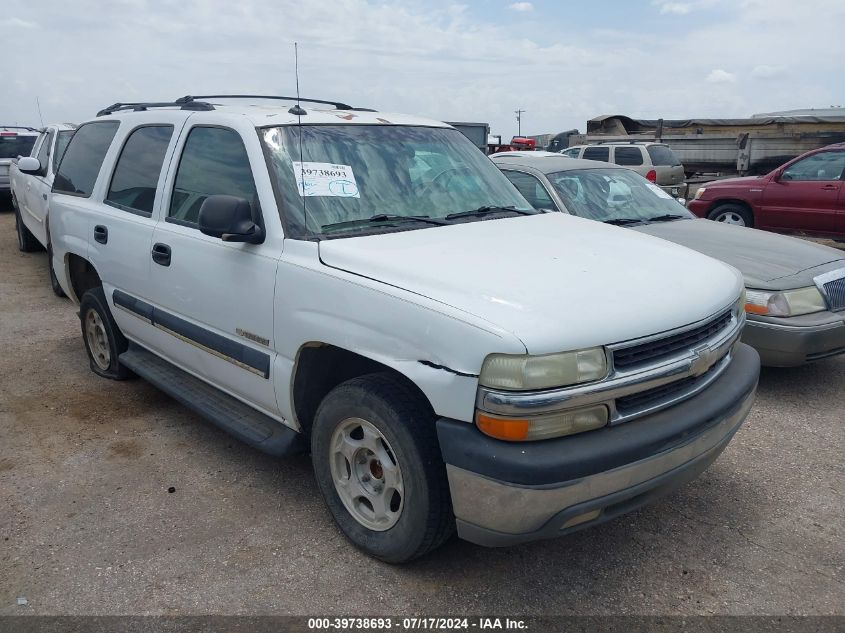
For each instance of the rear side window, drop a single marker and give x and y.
(662, 156)
(84, 157)
(597, 153)
(572, 153)
(133, 185)
(531, 189)
(628, 156)
(12, 145)
(214, 162)
(61, 146)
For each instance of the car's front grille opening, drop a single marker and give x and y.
(627, 358)
(644, 399)
(835, 291)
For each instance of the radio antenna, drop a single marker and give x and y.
(38, 103)
(298, 112)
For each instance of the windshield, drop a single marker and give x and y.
(614, 194)
(14, 146)
(356, 178)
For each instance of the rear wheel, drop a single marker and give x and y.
(104, 341)
(731, 213)
(378, 466)
(26, 240)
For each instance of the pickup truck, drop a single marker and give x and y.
(31, 178)
(369, 287)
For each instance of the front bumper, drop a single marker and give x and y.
(505, 493)
(793, 341)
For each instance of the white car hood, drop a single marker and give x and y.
(557, 282)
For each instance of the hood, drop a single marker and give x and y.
(728, 182)
(766, 260)
(555, 281)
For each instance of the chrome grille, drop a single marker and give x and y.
(644, 400)
(835, 293)
(649, 352)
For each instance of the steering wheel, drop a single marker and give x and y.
(439, 179)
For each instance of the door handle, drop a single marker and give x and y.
(161, 254)
(101, 234)
(830, 187)
(44, 195)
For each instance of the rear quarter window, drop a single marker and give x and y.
(662, 156)
(84, 157)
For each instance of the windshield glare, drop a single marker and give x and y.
(350, 173)
(613, 194)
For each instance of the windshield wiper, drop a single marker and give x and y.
(383, 217)
(482, 211)
(666, 217)
(624, 221)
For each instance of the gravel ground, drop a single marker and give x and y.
(88, 525)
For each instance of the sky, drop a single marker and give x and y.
(561, 61)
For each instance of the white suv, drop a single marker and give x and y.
(371, 288)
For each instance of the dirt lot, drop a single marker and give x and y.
(88, 525)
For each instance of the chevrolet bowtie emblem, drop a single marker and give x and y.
(702, 361)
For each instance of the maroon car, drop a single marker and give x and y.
(806, 195)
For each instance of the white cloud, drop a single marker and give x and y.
(17, 23)
(765, 71)
(676, 8)
(521, 6)
(719, 76)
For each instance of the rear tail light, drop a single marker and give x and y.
(651, 176)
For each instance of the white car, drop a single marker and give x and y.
(370, 288)
(31, 179)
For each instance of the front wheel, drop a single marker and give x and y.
(378, 466)
(732, 214)
(104, 341)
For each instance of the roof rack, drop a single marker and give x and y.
(336, 104)
(18, 127)
(141, 106)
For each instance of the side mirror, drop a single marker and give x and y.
(29, 165)
(230, 219)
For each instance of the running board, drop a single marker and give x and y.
(231, 415)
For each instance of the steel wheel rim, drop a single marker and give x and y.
(730, 217)
(98, 341)
(366, 474)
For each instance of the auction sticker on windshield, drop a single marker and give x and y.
(325, 179)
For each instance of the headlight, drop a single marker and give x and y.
(521, 373)
(700, 192)
(542, 427)
(785, 303)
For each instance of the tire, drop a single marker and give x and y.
(406, 457)
(730, 213)
(26, 240)
(104, 341)
(54, 281)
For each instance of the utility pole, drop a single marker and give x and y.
(519, 121)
